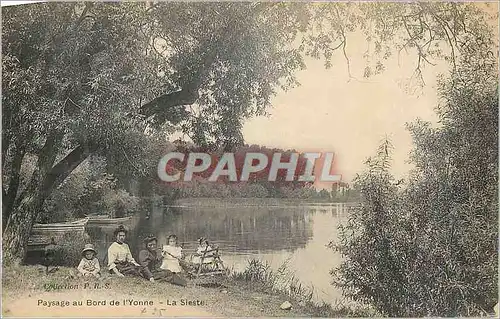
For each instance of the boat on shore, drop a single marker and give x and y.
(41, 234)
(61, 227)
(106, 220)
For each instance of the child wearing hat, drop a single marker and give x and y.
(89, 265)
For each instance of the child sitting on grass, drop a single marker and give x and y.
(172, 254)
(89, 265)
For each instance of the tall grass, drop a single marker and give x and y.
(261, 276)
(281, 280)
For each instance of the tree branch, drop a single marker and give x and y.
(343, 43)
(64, 167)
(189, 92)
(186, 96)
(84, 15)
(445, 25)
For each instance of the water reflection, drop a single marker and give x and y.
(275, 234)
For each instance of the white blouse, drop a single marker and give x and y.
(119, 253)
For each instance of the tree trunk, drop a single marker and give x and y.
(11, 192)
(16, 234)
(26, 209)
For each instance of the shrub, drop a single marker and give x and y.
(118, 203)
(431, 248)
(70, 248)
(371, 272)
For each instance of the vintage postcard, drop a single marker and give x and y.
(249, 159)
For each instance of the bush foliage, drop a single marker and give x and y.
(429, 247)
(89, 190)
(69, 249)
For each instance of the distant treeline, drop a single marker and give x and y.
(96, 186)
(261, 190)
(258, 185)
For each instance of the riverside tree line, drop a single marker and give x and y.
(108, 82)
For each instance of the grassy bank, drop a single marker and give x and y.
(261, 277)
(240, 294)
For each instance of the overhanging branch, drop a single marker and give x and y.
(64, 167)
(186, 96)
(189, 92)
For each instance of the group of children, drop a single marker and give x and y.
(154, 265)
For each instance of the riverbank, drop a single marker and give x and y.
(29, 292)
(248, 201)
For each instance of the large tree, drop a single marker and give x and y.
(98, 78)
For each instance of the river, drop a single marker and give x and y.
(295, 234)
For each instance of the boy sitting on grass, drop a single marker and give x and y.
(89, 265)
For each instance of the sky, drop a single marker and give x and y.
(11, 3)
(333, 112)
(341, 112)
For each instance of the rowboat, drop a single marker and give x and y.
(105, 220)
(60, 227)
(41, 234)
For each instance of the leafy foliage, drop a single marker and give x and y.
(89, 190)
(431, 248)
(70, 249)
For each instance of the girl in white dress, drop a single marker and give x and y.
(171, 254)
